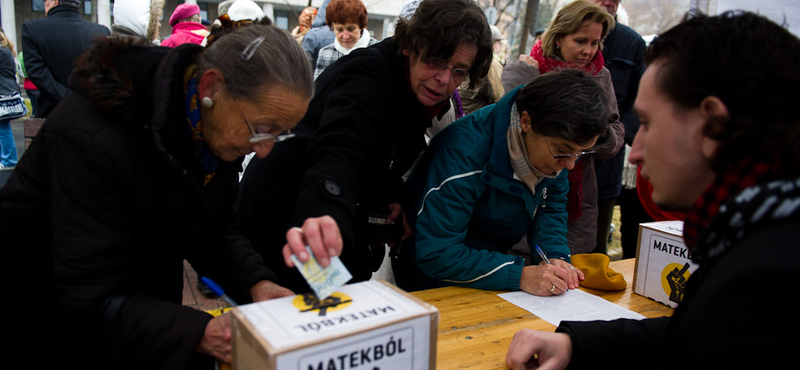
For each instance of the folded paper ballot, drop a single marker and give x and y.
(323, 280)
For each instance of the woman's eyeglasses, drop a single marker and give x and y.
(575, 156)
(436, 64)
(256, 137)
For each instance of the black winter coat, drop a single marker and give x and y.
(363, 130)
(623, 51)
(100, 213)
(52, 46)
(738, 309)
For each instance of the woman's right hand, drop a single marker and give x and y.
(544, 280)
(321, 234)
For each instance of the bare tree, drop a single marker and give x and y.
(650, 17)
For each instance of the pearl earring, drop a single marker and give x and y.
(207, 102)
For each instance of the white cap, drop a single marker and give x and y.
(245, 9)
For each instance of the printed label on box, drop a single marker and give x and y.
(664, 264)
(401, 346)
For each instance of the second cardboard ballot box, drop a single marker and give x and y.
(663, 262)
(368, 325)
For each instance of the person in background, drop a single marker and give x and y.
(496, 175)
(726, 151)
(304, 23)
(491, 89)
(117, 190)
(51, 53)
(574, 40)
(27, 84)
(138, 19)
(348, 20)
(319, 35)
(622, 52)
(186, 26)
(8, 87)
(363, 131)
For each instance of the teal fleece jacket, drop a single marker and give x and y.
(471, 209)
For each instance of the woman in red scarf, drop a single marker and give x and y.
(574, 40)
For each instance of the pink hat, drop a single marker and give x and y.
(182, 12)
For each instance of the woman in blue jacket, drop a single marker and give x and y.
(496, 175)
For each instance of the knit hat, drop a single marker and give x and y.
(598, 276)
(496, 34)
(245, 9)
(182, 12)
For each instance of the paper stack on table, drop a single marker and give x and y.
(574, 305)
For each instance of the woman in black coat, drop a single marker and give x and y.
(364, 129)
(133, 172)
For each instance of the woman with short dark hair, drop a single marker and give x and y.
(348, 21)
(364, 129)
(495, 176)
(574, 40)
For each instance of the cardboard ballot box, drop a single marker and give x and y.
(663, 262)
(368, 325)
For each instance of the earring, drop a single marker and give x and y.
(207, 102)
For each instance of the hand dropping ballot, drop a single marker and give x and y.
(323, 280)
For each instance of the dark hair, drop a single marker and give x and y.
(566, 103)
(346, 11)
(278, 61)
(748, 62)
(438, 27)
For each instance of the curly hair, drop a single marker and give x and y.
(438, 27)
(568, 21)
(346, 11)
(748, 62)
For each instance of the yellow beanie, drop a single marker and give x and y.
(598, 276)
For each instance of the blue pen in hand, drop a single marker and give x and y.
(218, 291)
(542, 255)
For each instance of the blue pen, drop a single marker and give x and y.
(542, 255)
(218, 291)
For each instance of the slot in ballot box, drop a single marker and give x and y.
(663, 262)
(366, 325)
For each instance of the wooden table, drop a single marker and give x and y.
(476, 326)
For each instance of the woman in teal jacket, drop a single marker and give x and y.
(496, 175)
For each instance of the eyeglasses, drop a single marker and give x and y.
(575, 156)
(436, 64)
(259, 137)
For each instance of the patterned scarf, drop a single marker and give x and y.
(744, 174)
(763, 204)
(575, 176)
(203, 153)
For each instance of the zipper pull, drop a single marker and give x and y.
(544, 197)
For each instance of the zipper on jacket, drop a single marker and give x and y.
(544, 198)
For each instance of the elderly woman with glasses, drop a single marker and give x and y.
(575, 40)
(134, 172)
(364, 129)
(495, 176)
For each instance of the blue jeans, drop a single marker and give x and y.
(8, 148)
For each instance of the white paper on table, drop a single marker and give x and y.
(574, 305)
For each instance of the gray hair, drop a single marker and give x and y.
(277, 61)
(566, 103)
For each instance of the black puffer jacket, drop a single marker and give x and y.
(103, 208)
(363, 130)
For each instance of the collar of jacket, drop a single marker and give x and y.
(63, 10)
(138, 85)
(498, 172)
